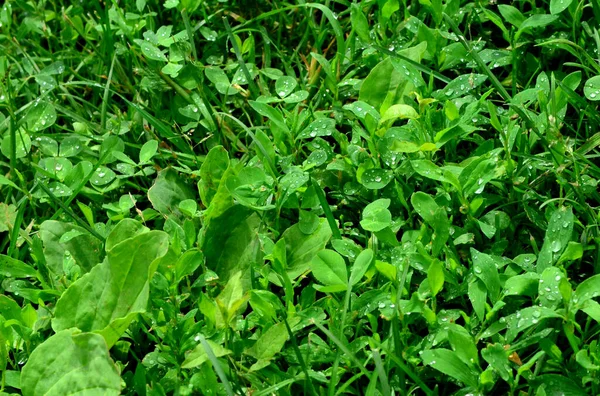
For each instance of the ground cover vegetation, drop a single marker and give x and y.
(266, 197)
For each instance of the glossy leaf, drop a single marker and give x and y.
(449, 363)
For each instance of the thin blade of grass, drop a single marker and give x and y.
(482, 66)
(216, 365)
(343, 347)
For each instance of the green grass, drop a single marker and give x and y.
(328, 198)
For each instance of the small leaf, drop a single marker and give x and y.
(484, 267)
(319, 127)
(435, 276)
(40, 116)
(198, 355)
(13, 268)
(497, 357)
(148, 150)
(549, 290)
(591, 89)
(588, 289)
(152, 52)
(296, 97)
(558, 6)
(376, 179)
(558, 235)
(522, 285)
(557, 385)
(360, 266)
(270, 342)
(360, 24)
(527, 318)
(376, 216)
(574, 251)
(285, 85)
(449, 363)
(425, 206)
(329, 268)
(399, 111)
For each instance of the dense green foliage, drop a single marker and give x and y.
(260, 197)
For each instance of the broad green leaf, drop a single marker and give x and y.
(461, 86)
(84, 249)
(588, 289)
(484, 267)
(522, 285)
(40, 116)
(152, 52)
(592, 308)
(102, 176)
(69, 363)
(558, 385)
(188, 207)
(441, 228)
(125, 229)
(549, 287)
(399, 111)
(168, 190)
(477, 295)
(231, 243)
(4, 181)
(425, 206)
(526, 318)
(265, 303)
(285, 85)
(497, 357)
(361, 109)
(270, 342)
(9, 309)
(13, 268)
(558, 235)
(591, 89)
(198, 355)
(148, 150)
(429, 170)
(435, 276)
(301, 248)
(188, 263)
(232, 298)
(462, 343)
(329, 268)
(511, 14)
(317, 128)
(360, 266)
(476, 175)
(376, 215)
(218, 77)
(535, 21)
(212, 172)
(22, 147)
(376, 179)
(360, 24)
(573, 251)
(273, 114)
(582, 357)
(384, 86)
(296, 97)
(114, 289)
(450, 364)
